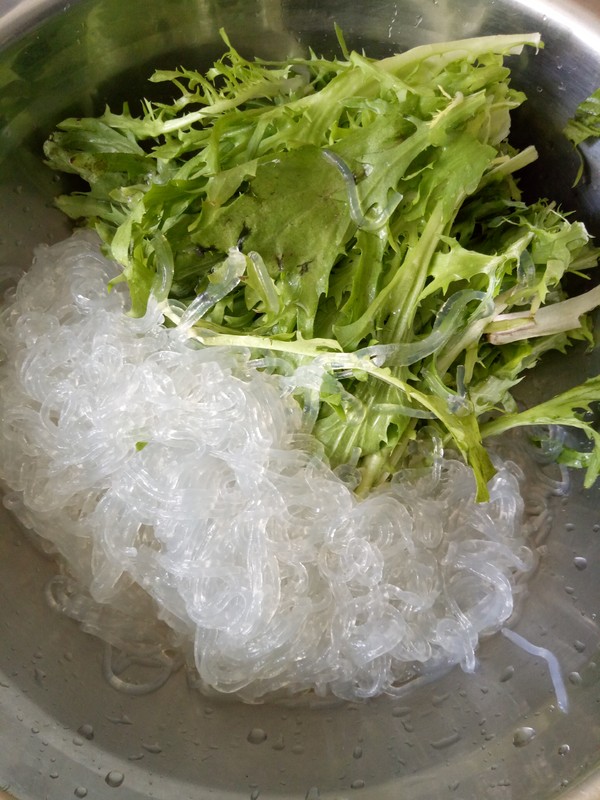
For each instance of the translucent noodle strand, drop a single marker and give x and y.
(190, 512)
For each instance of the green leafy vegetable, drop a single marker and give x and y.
(560, 411)
(353, 221)
(584, 125)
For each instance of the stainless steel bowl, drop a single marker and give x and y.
(63, 731)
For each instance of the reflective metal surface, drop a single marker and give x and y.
(65, 733)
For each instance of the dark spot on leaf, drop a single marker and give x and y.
(303, 268)
(242, 237)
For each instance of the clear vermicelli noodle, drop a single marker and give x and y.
(194, 517)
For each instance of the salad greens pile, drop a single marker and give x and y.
(584, 125)
(357, 225)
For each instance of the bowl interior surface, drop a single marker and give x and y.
(454, 738)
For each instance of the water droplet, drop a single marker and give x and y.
(313, 794)
(564, 750)
(570, 589)
(254, 794)
(257, 736)
(78, 741)
(438, 699)
(80, 792)
(39, 675)
(114, 779)
(123, 719)
(279, 743)
(596, 528)
(523, 736)
(357, 752)
(86, 730)
(357, 784)
(54, 774)
(446, 741)
(580, 562)
(507, 674)
(579, 645)
(298, 749)
(400, 711)
(575, 678)
(35, 729)
(152, 748)
(418, 20)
